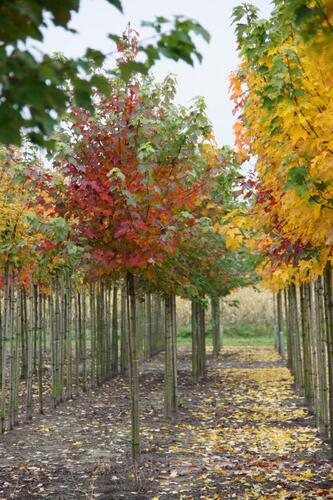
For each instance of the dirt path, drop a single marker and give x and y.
(241, 433)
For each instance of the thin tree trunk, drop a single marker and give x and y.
(68, 336)
(30, 353)
(313, 351)
(53, 343)
(12, 355)
(24, 335)
(323, 412)
(123, 332)
(58, 343)
(298, 361)
(133, 367)
(114, 344)
(76, 342)
(99, 363)
(61, 343)
(18, 353)
(287, 315)
(202, 342)
(174, 350)
(35, 332)
(329, 331)
(149, 325)
(280, 324)
(40, 350)
(275, 322)
(195, 342)
(216, 325)
(4, 351)
(84, 339)
(170, 359)
(93, 334)
(306, 336)
(108, 331)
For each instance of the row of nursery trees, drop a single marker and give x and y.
(96, 244)
(283, 92)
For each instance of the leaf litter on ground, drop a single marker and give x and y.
(242, 433)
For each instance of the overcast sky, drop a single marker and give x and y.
(209, 79)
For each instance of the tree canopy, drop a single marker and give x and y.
(34, 86)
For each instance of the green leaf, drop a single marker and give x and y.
(148, 24)
(303, 13)
(101, 83)
(200, 30)
(296, 179)
(297, 175)
(152, 54)
(117, 4)
(127, 69)
(162, 20)
(115, 38)
(96, 55)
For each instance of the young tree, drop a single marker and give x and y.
(131, 178)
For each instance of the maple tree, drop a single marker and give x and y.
(282, 93)
(285, 121)
(34, 85)
(130, 175)
(132, 172)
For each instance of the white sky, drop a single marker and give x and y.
(97, 18)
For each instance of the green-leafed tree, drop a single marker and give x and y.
(33, 87)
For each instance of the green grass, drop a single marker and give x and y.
(187, 341)
(229, 341)
(236, 334)
(248, 330)
(248, 341)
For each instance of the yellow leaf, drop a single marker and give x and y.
(307, 474)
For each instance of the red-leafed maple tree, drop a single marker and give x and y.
(134, 173)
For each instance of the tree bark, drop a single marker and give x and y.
(123, 332)
(170, 358)
(280, 324)
(329, 332)
(114, 343)
(216, 325)
(133, 367)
